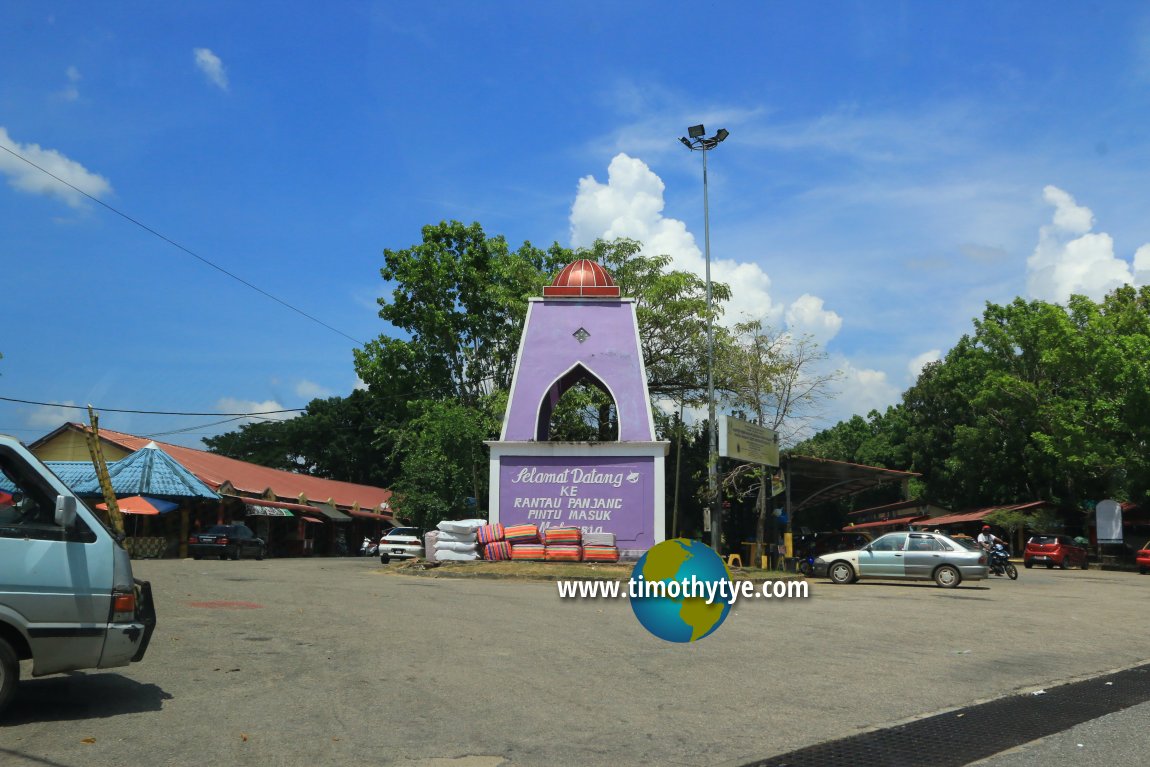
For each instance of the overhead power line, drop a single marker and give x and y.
(190, 252)
(154, 412)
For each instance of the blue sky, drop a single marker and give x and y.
(891, 167)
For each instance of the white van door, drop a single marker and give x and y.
(55, 584)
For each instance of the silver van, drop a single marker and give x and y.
(67, 597)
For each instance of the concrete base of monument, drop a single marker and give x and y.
(599, 487)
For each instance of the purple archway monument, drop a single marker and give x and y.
(581, 330)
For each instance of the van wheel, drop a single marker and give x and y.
(9, 673)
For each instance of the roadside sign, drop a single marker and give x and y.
(1108, 517)
(745, 441)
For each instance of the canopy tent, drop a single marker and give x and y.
(142, 504)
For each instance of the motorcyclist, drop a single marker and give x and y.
(987, 539)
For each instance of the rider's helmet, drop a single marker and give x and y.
(986, 528)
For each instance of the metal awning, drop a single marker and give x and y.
(328, 511)
(814, 481)
(257, 510)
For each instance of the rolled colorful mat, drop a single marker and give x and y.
(521, 534)
(554, 536)
(564, 553)
(497, 550)
(600, 554)
(528, 551)
(489, 533)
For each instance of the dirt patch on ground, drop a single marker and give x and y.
(543, 571)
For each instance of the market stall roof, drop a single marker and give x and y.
(900, 522)
(247, 478)
(815, 481)
(977, 515)
(148, 471)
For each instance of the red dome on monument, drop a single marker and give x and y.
(582, 279)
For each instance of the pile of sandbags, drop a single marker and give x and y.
(457, 541)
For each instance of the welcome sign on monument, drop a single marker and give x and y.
(581, 330)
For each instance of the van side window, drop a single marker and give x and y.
(25, 504)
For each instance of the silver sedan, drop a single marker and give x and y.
(907, 556)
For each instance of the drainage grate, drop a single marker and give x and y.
(960, 737)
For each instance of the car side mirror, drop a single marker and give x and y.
(868, 547)
(65, 511)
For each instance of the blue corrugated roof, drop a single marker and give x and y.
(148, 471)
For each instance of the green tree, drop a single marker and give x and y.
(775, 380)
(335, 438)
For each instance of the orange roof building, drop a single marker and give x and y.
(227, 476)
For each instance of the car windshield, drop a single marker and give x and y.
(402, 531)
(219, 530)
(1042, 540)
(966, 543)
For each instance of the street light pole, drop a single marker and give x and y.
(698, 142)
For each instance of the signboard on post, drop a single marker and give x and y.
(745, 441)
(1108, 516)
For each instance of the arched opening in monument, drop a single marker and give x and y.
(578, 408)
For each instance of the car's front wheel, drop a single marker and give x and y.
(947, 576)
(841, 572)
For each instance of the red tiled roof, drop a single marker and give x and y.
(249, 478)
(978, 514)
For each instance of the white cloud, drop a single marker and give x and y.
(360, 384)
(210, 64)
(807, 315)
(1142, 265)
(1070, 258)
(71, 92)
(25, 178)
(630, 205)
(862, 390)
(52, 416)
(310, 390)
(915, 366)
(236, 405)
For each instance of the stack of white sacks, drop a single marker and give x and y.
(456, 540)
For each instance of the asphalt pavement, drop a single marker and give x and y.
(337, 661)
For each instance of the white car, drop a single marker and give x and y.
(908, 555)
(400, 543)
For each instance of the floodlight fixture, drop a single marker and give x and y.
(696, 131)
(686, 142)
(722, 134)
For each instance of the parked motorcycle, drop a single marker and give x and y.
(1000, 563)
(369, 547)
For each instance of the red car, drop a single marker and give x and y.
(1051, 550)
(1143, 559)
